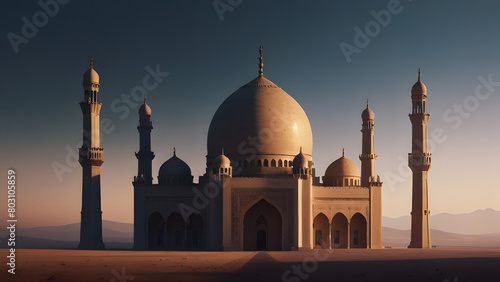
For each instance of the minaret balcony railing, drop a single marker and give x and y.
(419, 159)
(144, 122)
(92, 154)
(148, 155)
(368, 125)
(368, 156)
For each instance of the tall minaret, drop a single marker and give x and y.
(91, 159)
(367, 156)
(419, 160)
(369, 180)
(144, 156)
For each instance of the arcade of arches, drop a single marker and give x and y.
(174, 233)
(340, 232)
(262, 230)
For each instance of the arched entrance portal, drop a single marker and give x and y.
(339, 231)
(321, 231)
(358, 231)
(156, 229)
(176, 232)
(262, 228)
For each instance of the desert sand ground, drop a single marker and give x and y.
(315, 265)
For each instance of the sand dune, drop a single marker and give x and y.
(319, 265)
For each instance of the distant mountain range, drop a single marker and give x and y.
(111, 230)
(478, 222)
(401, 238)
(116, 235)
(480, 228)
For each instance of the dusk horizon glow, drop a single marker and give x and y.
(190, 60)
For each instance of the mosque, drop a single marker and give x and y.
(260, 190)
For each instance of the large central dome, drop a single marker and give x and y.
(259, 119)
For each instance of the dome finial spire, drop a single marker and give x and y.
(367, 103)
(261, 64)
(342, 152)
(91, 62)
(418, 74)
(174, 152)
(222, 151)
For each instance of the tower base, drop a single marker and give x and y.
(419, 245)
(91, 246)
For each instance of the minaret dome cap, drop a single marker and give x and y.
(300, 160)
(419, 87)
(221, 161)
(367, 114)
(145, 110)
(91, 76)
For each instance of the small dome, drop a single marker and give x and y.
(174, 166)
(342, 167)
(91, 76)
(145, 109)
(367, 114)
(221, 161)
(419, 87)
(300, 160)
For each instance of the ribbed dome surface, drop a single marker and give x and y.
(263, 111)
(342, 167)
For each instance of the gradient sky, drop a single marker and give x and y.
(453, 42)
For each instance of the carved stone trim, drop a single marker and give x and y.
(332, 199)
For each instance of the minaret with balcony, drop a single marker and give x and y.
(369, 180)
(419, 161)
(91, 158)
(145, 156)
(367, 156)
